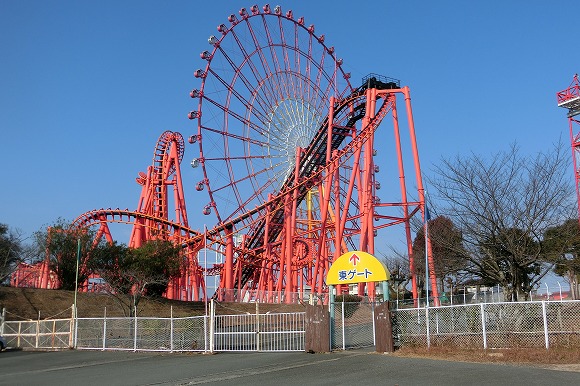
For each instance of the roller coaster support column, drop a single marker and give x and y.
(421, 190)
(404, 201)
(266, 283)
(292, 277)
(367, 229)
(229, 264)
(337, 216)
(324, 189)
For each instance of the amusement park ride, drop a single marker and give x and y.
(570, 100)
(289, 159)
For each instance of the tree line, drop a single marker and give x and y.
(128, 273)
(505, 220)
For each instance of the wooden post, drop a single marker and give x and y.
(384, 329)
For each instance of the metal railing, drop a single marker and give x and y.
(491, 325)
(485, 325)
(244, 332)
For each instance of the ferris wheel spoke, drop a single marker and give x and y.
(234, 114)
(258, 49)
(260, 100)
(243, 179)
(238, 137)
(264, 94)
(260, 114)
(268, 97)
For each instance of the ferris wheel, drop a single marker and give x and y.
(264, 93)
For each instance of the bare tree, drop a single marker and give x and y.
(398, 266)
(502, 205)
(10, 251)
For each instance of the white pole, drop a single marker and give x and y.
(75, 313)
(211, 326)
(547, 292)
(483, 331)
(105, 330)
(135, 329)
(559, 285)
(426, 254)
(171, 331)
(427, 327)
(545, 317)
(205, 266)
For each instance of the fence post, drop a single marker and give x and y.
(171, 331)
(427, 324)
(374, 324)
(72, 339)
(211, 325)
(205, 332)
(135, 329)
(484, 333)
(2, 319)
(342, 325)
(258, 326)
(545, 317)
(37, 330)
(105, 330)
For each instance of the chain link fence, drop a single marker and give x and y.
(485, 325)
(491, 325)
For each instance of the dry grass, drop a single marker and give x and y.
(32, 303)
(556, 358)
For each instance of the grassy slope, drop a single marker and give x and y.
(27, 303)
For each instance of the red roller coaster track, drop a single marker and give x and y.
(287, 156)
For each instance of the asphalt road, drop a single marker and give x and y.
(339, 368)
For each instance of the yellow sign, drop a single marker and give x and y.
(356, 267)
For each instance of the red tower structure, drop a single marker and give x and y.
(290, 154)
(287, 152)
(570, 100)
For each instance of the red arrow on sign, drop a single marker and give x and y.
(354, 259)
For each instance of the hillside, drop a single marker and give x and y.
(33, 303)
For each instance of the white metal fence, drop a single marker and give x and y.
(244, 332)
(485, 325)
(491, 325)
(50, 333)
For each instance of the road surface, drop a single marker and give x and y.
(240, 369)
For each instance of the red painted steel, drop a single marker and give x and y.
(287, 155)
(570, 100)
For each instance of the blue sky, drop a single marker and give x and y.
(88, 86)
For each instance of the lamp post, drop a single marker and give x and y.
(560, 287)
(547, 291)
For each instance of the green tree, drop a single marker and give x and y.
(134, 273)
(512, 258)
(10, 250)
(447, 250)
(562, 244)
(60, 243)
